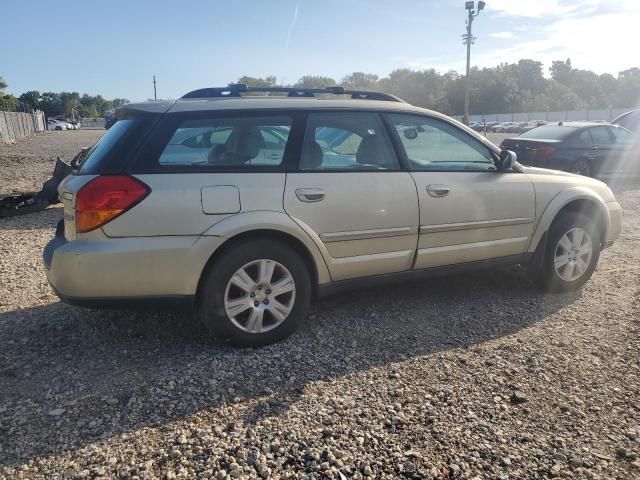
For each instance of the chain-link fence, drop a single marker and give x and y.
(20, 122)
(92, 123)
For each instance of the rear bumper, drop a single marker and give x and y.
(117, 272)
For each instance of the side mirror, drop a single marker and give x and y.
(507, 160)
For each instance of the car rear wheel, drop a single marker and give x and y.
(571, 254)
(581, 166)
(257, 293)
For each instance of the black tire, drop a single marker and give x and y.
(544, 274)
(211, 296)
(58, 128)
(582, 166)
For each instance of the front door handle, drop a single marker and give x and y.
(594, 147)
(310, 195)
(438, 191)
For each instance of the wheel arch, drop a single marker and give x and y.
(274, 225)
(577, 200)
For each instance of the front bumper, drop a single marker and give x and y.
(118, 271)
(615, 222)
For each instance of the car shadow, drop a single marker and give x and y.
(119, 371)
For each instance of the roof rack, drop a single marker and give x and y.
(236, 89)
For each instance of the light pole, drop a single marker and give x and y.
(468, 39)
(155, 95)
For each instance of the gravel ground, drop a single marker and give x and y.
(472, 376)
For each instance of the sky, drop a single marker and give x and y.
(114, 47)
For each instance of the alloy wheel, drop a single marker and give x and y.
(582, 167)
(260, 296)
(573, 254)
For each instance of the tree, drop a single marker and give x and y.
(314, 81)
(10, 102)
(562, 97)
(561, 71)
(118, 102)
(51, 104)
(628, 94)
(530, 76)
(31, 99)
(269, 81)
(361, 81)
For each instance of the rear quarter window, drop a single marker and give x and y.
(111, 153)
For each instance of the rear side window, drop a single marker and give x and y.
(98, 153)
(344, 141)
(600, 135)
(239, 142)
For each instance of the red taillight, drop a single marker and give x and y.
(106, 197)
(543, 152)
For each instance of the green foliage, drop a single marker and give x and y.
(628, 88)
(67, 104)
(506, 88)
(314, 81)
(258, 82)
(9, 102)
(361, 81)
(30, 98)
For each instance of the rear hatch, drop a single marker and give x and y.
(531, 151)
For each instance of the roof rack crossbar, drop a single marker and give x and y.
(236, 89)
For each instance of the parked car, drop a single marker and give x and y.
(69, 125)
(629, 120)
(74, 123)
(247, 207)
(480, 126)
(56, 125)
(586, 148)
(505, 127)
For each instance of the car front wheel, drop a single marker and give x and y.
(257, 293)
(571, 254)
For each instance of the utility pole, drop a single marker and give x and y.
(155, 95)
(468, 39)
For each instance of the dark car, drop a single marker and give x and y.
(586, 148)
(629, 120)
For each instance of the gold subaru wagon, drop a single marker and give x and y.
(247, 207)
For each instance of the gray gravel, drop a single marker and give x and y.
(474, 376)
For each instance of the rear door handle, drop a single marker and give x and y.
(438, 191)
(310, 195)
(594, 147)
